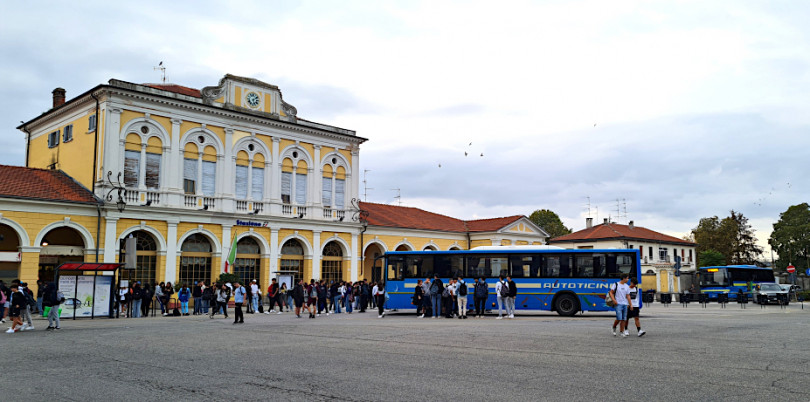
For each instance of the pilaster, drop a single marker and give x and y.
(110, 239)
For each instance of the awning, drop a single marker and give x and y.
(90, 266)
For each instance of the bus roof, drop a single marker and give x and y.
(737, 266)
(511, 250)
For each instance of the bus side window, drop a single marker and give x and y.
(473, 267)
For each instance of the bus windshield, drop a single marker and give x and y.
(714, 277)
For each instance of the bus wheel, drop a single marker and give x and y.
(567, 305)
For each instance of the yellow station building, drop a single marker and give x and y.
(189, 172)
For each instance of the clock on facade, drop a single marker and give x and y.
(252, 99)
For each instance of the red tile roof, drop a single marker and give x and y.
(42, 184)
(415, 218)
(178, 89)
(614, 231)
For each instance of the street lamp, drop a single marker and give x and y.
(119, 188)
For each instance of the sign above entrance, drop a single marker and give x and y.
(10, 256)
(252, 223)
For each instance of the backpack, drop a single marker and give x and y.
(313, 293)
(30, 299)
(462, 289)
(60, 297)
(208, 294)
(434, 288)
(504, 290)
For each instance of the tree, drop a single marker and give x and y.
(791, 236)
(550, 222)
(732, 237)
(711, 258)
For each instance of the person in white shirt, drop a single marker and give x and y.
(620, 293)
(255, 295)
(378, 292)
(501, 293)
(636, 303)
(461, 287)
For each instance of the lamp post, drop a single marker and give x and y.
(119, 188)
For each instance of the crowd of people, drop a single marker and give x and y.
(19, 303)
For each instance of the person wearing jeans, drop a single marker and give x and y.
(239, 294)
(501, 300)
(461, 299)
(510, 301)
(347, 297)
(436, 289)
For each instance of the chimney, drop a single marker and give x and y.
(631, 225)
(606, 221)
(58, 97)
(588, 223)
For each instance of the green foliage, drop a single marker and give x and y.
(232, 278)
(791, 237)
(732, 237)
(550, 222)
(711, 258)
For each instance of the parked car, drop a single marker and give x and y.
(791, 288)
(768, 293)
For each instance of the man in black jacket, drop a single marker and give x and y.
(480, 295)
(298, 297)
(196, 293)
(16, 304)
(510, 301)
(436, 290)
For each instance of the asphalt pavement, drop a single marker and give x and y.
(689, 354)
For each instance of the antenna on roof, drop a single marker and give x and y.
(619, 203)
(365, 185)
(162, 70)
(398, 197)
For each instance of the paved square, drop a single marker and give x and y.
(688, 354)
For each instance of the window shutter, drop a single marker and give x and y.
(132, 161)
(286, 186)
(153, 171)
(326, 192)
(300, 189)
(209, 179)
(241, 182)
(189, 175)
(91, 124)
(258, 184)
(340, 191)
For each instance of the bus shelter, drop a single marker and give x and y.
(88, 288)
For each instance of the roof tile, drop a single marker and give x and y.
(178, 89)
(607, 231)
(415, 218)
(42, 184)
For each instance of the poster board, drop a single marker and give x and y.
(85, 295)
(284, 278)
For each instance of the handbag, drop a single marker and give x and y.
(609, 300)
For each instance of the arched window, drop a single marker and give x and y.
(292, 259)
(333, 191)
(142, 160)
(294, 179)
(249, 174)
(195, 260)
(248, 259)
(332, 262)
(145, 255)
(199, 167)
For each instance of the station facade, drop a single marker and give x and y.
(192, 174)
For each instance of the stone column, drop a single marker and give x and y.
(275, 248)
(355, 258)
(172, 250)
(316, 254)
(174, 176)
(110, 239)
(227, 242)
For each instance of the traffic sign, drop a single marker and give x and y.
(807, 272)
(791, 269)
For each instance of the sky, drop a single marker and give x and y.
(677, 109)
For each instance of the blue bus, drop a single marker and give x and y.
(548, 278)
(732, 279)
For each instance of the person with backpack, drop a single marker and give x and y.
(461, 297)
(620, 294)
(196, 293)
(480, 295)
(426, 303)
(146, 300)
(208, 297)
(502, 293)
(30, 304)
(297, 295)
(346, 293)
(510, 301)
(273, 297)
(159, 297)
(17, 304)
(52, 298)
(323, 292)
(137, 297)
(183, 296)
(436, 290)
(312, 297)
(379, 298)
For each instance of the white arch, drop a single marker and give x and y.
(432, 245)
(345, 246)
(263, 244)
(308, 250)
(242, 143)
(377, 242)
(404, 243)
(154, 232)
(210, 235)
(211, 139)
(156, 130)
(341, 160)
(303, 154)
(21, 233)
(89, 243)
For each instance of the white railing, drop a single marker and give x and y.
(131, 196)
(330, 213)
(190, 201)
(241, 205)
(209, 202)
(258, 207)
(153, 197)
(287, 209)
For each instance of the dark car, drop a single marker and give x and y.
(769, 293)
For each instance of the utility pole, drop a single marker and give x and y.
(365, 185)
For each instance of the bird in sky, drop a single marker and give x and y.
(465, 153)
(160, 64)
(440, 165)
(482, 154)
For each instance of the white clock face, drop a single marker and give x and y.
(252, 99)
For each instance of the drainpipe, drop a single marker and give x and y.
(95, 149)
(98, 226)
(27, 144)
(469, 241)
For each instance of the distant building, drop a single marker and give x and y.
(658, 251)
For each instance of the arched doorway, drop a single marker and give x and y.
(145, 255)
(403, 247)
(195, 260)
(60, 245)
(429, 248)
(248, 259)
(9, 254)
(332, 262)
(370, 266)
(292, 259)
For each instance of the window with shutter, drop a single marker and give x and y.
(189, 176)
(241, 182)
(153, 170)
(91, 124)
(340, 193)
(300, 189)
(286, 187)
(209, 179)
(257, 186)
(53, 139)
(132, 168)
(326, 192)
(67, 134)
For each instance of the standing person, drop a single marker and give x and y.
(209, 297)
(40, 297)
(248, 298)
(297, 295)
(146, 300)
(365, 292)
(436, 291)
(16, 305)
(418, 292)
(287, 292)
(256, 295)
(137, 299)
(239, 294)
(123, 297)
(480, 296)
(273, 297)
(336, 295)
(3, 301)
(426, 303)
(620, 293)
(448, 298)
(322, 297)
(54, 298)
(159, 297)
(183, 296)
(379, 297)
(168, 291)
(347, 297)
(461, 297)
(196, 293)
(312, 298)
(502, 293)
(510, 302)
(30, 302)
(636, 303)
